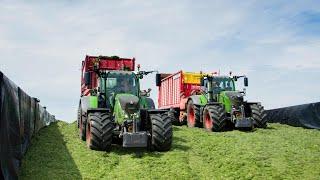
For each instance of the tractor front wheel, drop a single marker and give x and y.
(259, 116)
(193, 115)
(99, 131)
(214, 118)
(161, 132)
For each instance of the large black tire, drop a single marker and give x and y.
(78, 117)
(193, 115)
(214, 118)
(259, 116)
(174, 117)
(81, 125)
(161, 132)
(99, 131)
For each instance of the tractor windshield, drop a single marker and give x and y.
(223, 84)
(122, 82)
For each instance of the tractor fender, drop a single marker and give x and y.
(146, 113)
(88, 102)
(92, 110)
(252, 103)
(84, 101)
(148, 103)
(213, 104)
(195, 99)
(157, 111)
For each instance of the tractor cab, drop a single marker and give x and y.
(217, 84)
(214, 85)
(120, 82)
(114, 83)
(223, 84)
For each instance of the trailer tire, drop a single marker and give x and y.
(214, 118)
(174, 118)
(193, 115)
(259, 116)
(161, 132)
(99, 131)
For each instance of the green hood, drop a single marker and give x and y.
(125, 105)
(229, 98)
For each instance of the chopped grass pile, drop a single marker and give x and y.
(279, 151)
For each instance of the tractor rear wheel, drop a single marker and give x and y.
(99, 131)
(81, 125)
(161, 132)
(259, 116)
(214, 118)
(193, 115)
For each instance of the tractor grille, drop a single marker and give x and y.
(236, 98)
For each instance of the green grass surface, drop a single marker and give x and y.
(275, 153)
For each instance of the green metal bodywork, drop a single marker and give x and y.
(93, 102)
(222, 98)
(225, 100)
(118, 112)
(144, 103)
(112, 96)
(220, 95)
(203, 100)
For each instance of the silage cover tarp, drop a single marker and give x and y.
(21, 118)
(306, 115)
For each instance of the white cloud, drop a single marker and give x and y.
(42, 44)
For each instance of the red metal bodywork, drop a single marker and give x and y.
(102, 63)
(174, 92)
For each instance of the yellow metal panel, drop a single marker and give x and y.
(192, 78)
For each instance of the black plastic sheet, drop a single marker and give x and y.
(21, 118)
(306, 115)
(10, 147)
(25, 118)
(32, 117)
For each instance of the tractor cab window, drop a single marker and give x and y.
(223, 84)
(121, 83)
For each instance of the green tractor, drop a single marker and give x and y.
(116, 111)
(220, 106)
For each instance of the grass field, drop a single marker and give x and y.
(279, 152)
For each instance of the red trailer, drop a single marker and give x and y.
(175, 89)
(92, 64)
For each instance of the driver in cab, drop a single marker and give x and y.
(123, 86)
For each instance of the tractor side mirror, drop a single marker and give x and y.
(202, 81)
(145, 93)
(245, 81)
(158, 79)
(87, 78)
(235, 78)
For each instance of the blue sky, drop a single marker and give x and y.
(275, 43)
